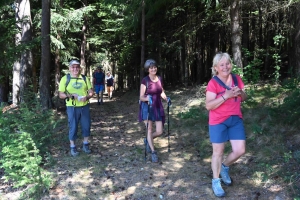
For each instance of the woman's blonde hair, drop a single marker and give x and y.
(216, 60)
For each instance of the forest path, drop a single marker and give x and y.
(116, 169)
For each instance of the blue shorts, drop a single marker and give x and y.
(231, 129)
(151, 116)
(98, 88)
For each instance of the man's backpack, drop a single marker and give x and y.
(69, 79)
(235, 81)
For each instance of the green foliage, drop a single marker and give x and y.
(194, 113)
(25, 136)
(237, 70)
(21, 159)
(289, 111)
(277, 60)
(290, 83)
(252, 70)
(296, 156)
(278, 40)
(8, 49)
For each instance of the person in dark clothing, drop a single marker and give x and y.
(99, 80)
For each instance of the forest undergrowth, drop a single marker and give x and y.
(116, 169)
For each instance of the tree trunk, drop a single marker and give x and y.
(57, 70)
(245, 36)
(83, 43)
(295, 50)
(186, 61)
(22, 70)
(236, 33)
(199, 61)
(182, 60)
(142, 70)
(57, 61)
(4, 90)
(45, 93)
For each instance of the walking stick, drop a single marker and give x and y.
(147, 124)
(147, 133)
(169, 104)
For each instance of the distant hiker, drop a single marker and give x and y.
(110, 84)
(76, 89)
(151, 107)
(98, 80)
(225, 119)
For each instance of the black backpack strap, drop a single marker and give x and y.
(69, 78)
(147, 82)
(235, 81)
(84, 78)
(67, 82)
(221, 83)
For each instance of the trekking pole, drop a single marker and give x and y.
(147, 124)
(169, 104)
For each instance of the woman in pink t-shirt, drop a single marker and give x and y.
(225, 120)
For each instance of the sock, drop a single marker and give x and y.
(72, 146)
(84, 142)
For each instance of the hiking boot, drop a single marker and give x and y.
(86, 149)
(110, 98)
(148, 149)
(98, 102)
(154, 157)
(74, 151)
(225, 175)
(217, 188)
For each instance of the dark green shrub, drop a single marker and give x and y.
(25, 137)
(289, 111)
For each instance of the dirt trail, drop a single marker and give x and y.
(116, 168)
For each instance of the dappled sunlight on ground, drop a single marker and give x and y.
(117, 170)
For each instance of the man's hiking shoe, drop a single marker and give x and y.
(85, 148)
(148, 149)
(225, 175)
(74, 151)
(217, 188)
(98, 102)
(154, 157)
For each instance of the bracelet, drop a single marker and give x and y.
(223, 97)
